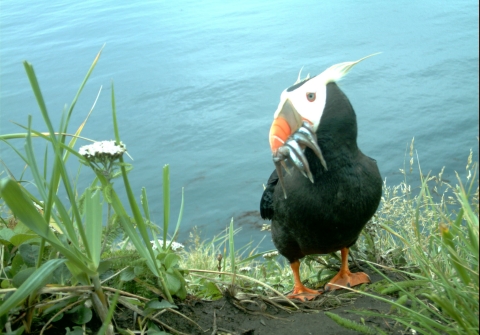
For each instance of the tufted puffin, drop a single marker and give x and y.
(320, 201)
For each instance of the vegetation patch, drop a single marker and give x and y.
(83, 261)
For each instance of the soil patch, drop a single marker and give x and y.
(256, 315)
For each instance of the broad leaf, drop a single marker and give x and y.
(24, 209)
(32, 284)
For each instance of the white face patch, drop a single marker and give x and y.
(308, 100)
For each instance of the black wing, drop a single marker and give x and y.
(266, 203)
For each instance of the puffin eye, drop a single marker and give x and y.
(311, 97)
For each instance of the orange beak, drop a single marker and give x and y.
(279, 132)
(287, 121)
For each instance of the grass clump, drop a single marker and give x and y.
(48, 240)
(430, 238)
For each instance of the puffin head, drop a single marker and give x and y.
(304, 102)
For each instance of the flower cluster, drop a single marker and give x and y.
(175, 245)
(104, 149)
(270, 255)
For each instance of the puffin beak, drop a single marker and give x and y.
(287, 122)
(289, 135)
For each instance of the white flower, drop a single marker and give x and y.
(245, 269)
(270, 254)
(175, 245)
(105, 149)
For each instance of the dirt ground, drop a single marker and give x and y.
(257, 316)
(228, 319)
(230, 316)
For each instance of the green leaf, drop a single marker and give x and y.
(5, 283)
(17, 264)
(22, 276)
(153, 330)
(28, 214)
(5, 235)
(18, 331)
(80, 315)
(105, 266)
(93, 224)
(32, 284)
(107, 193)
(212, 291)
(171, 260)
(127, 274)
(155, 304)
(138, 270)
(29, 253)
(76, 330)
(20, 228)
(61, 275)
(173, 283)
(22, 238)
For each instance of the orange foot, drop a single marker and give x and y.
(303, 293)
(300, 292)
(347, 279)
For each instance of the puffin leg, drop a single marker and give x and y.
(346, 278)
(300, 292)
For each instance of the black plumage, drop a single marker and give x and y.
(329, 214)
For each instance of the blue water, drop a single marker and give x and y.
(196, 85)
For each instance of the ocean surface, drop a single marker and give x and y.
(197, 83)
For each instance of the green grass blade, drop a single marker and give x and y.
(132, 233)
(76, 136)
(456, 261)
(180, 216)
(67, 225)
(32, 284)
(349, 324)
(24, 158)
(80, 89)
(114, 115)
(166, 202)
(32, 163)
(144, 201)
(93, 224)
(45, 161)
(137, 215)
(43, 109)
(59, 170)
(47, 137)
(450, 309)
(231, 246)
(111, 312)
